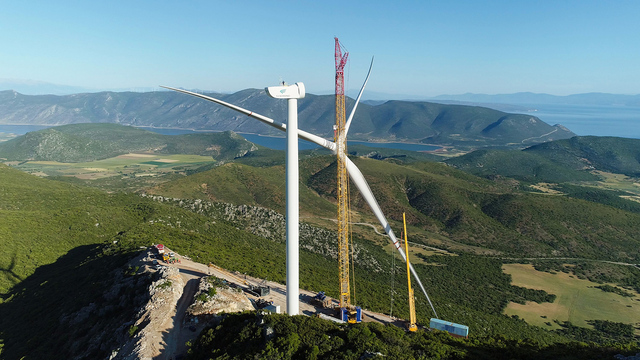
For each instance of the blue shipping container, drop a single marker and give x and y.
(452, 328)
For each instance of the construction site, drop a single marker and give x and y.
(274, 297)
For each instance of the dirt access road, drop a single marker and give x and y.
(278, 291)
(176, 332)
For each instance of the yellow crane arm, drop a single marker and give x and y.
(412, 305)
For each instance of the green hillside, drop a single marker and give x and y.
(557, 161)
(242, 184)
(439, 200)
(60, 239)
(480, 212)
(88, 142)
(611, 154)
(42, 220)
(521, 165)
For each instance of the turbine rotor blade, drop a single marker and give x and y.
(280, 126)
(367, 194)
(355, 106)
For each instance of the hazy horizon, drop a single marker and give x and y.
(421, 49)
(36, 87)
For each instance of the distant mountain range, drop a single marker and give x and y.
(496, 101)
(401, 121)
(524, 98)
(33, 87)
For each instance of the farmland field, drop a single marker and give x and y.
(618, 182)
(577, 300)
(128, 165)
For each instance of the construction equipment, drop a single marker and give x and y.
(262, 289)
(172, 260)
(412, 301)
(262, 303)
(348, 312)
(321, 300)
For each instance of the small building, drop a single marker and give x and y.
(160, 248)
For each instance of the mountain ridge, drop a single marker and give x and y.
(395, 120)
(592, 98)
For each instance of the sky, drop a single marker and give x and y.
(421, 48)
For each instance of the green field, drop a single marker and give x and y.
(577, 300)
(619, 182)
(133, 164)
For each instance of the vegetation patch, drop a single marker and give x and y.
(164, 285)
(250, 336)
(615, 290)
(155, 163)
(602, 331)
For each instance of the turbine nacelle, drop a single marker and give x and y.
(295, 91)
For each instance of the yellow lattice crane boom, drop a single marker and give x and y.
(347, 311)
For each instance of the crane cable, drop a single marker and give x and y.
(393, 271)
(353, 268)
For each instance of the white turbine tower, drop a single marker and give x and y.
(355, 174)
(292, 94)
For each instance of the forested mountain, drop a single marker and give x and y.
(391, 121)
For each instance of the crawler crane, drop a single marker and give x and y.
(348, 312)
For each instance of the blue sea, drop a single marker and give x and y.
(621, 121)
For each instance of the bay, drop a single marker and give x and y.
(597, 120)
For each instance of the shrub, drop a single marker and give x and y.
(164, 285)
(132, 330)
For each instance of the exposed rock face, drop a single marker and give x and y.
(225, 299)
(271, 225)
(155, 317)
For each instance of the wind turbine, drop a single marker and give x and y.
(292, 94)
(355, 173)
